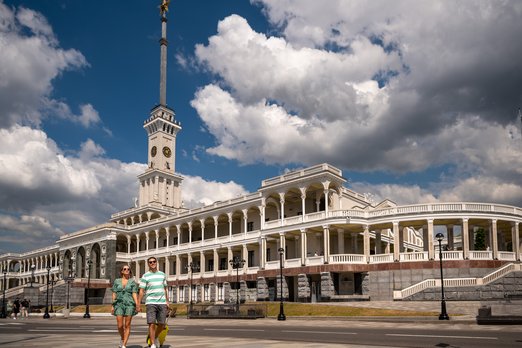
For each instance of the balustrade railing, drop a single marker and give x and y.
(480, 255)
(450, 255)
(506, 256)
(292, 263)
(272, 264)
(348, 258)
(381, 258)
(422, 256)
(314, 260)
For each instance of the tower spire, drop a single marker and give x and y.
(160, 184)
(164, 7)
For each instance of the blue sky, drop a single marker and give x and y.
(414, 102)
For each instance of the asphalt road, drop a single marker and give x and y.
(101, 332)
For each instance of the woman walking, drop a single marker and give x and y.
(124, 303)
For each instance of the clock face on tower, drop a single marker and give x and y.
(166, 152)
(153, 151)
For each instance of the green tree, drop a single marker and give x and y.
(480, 239)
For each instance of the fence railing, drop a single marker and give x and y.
(227, 311)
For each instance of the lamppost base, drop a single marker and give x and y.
(443, 313)
(46, 315)
(87, 315)
(281, 316)
(443, 316)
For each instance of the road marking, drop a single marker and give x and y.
(440, 336)
(233, 330)
(104, 330)
(57, 330)
(321, 332)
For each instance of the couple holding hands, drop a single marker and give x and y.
(126, 301)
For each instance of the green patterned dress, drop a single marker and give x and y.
(124, 303)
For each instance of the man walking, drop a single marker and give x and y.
(153, 285)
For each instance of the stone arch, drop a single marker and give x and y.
(80, 262)
(272, 207)
(96, 261)
(121, 243)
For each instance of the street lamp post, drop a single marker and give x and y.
(443, 314)
(237, 263)
(46, 314)
(87, 315)
(52, 293)
(70, 277)
(33, 267)
(3, 315)
(191, 267)
(281, 315)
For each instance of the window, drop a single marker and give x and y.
(181, 294)
(210, 265)
(268, 254)
(250, 226)
(194, 293)
(222, 263)
(206, 292)
(251, 260)
(220, 292)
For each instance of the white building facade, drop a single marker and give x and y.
(337, 244)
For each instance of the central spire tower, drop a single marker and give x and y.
(159, 184)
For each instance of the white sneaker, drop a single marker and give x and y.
(156, 343)
(153, 346)
(121, 344)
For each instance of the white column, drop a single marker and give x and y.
(262, 213)
(216, 261)
(304, 249)
(326, 202)
(262, 253)
(178, 266)
(396, 241)
(282, 202)
(516, 240)
(367, 243)
(128, 244)
(303, 203)
(465, 238)
(190, 232)
(494, 235)
(202, 262)
(167, 265)
(245, 257)
(245, 220)
(282, 244)
(147, 241)
(326, 243)
(157, 238)
(215, 227)
(431, 250)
